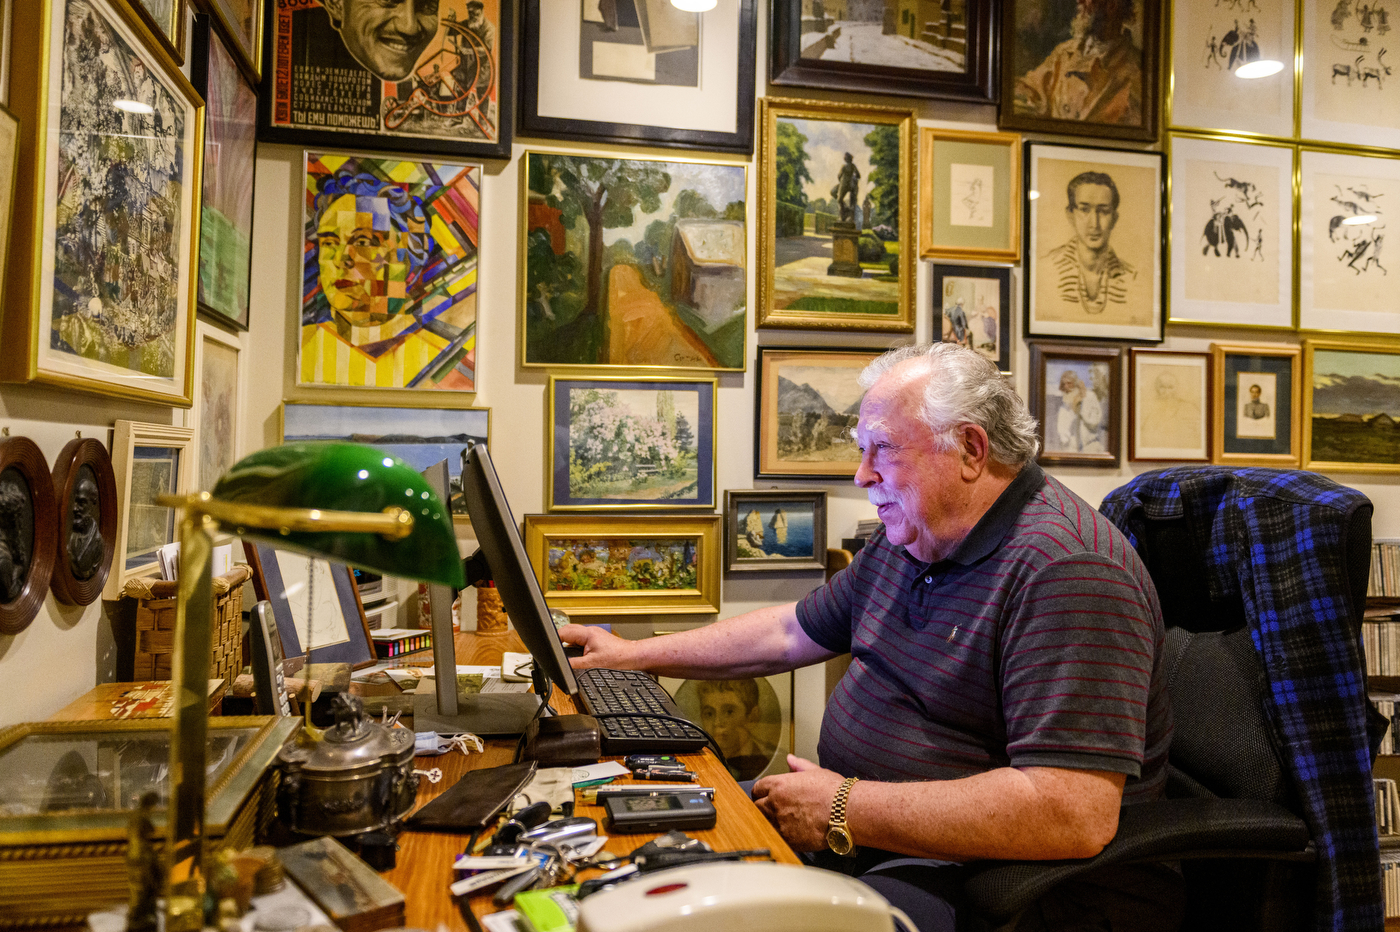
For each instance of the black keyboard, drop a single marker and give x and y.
(605, 691)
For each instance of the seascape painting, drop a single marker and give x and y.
(621, 564)
(776, 529)
(1355, 408)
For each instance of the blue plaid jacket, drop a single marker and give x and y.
(1275, 539)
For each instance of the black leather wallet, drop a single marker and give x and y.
(473, 801)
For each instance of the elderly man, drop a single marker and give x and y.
(1005, 696)
(385, 36)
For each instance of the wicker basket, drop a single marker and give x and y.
(153, 630)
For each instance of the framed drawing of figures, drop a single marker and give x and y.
(1209, 43)
(1087, 273)
(1257, 417)
(1087, 68)
(1232, 232)
(80, 310)
(1348, 95)
(226, 211)
(1169, 405)
(1347, 201)
(969, 195)
(808, 402)
(643, 72)
(86, 493)
(28, 532)
(633, 262)
(437, 81)
(836, 222)
(972, 306)
(242, 22)
(1076, 393)
(389, 280)
(148, 460)
(166, 20)
(933, 50)
(1351, 404)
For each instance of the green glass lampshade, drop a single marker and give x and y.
(355, 478)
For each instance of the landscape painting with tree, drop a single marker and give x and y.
(633, 262)
(1353, 407)
(836, 237)
(808, 404)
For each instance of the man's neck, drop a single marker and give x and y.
(1091, 259)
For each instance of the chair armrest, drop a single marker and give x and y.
(1166, 830)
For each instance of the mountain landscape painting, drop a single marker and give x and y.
(1354, 409)
(809, 402)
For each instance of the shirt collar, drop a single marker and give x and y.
(997, 521)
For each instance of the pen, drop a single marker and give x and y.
(664, 773)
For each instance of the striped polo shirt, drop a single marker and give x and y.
(1037, 643)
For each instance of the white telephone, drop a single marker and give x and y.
(739, 895)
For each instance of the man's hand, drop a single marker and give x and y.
(799, 803)
(600, 648)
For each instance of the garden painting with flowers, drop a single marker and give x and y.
(621, 564)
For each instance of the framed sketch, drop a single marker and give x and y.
(1257, 418)
(217, 414)
(972, 307)
(226, 210)
(9, 174)
(421, 437)
(148, 460)
(836, 217)
(1346, 203)
(941, 50)
(90, 317)
(1347, 95)
(679, 78)
(1081, 69)
(636, 263)
(85, 491)
(1232, 232)
(774, 530)
(808, 403)
(28, 532)
(316, 605)
(166, 21)
(750, 719)
(242, 24)
(626, 565)
(1350, 407)
(1209, 43)
(631, 444)
(1169, 405)
(1087, 274)
(389, 275)
(969, 195)
(1076, 393)
(438, 81)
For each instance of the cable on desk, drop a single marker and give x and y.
(544, 704)
(658, 716)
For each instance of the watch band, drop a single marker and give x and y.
(838, 836)
(838, 804)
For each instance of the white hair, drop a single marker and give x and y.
(961, 386)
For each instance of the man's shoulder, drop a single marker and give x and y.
(1117, 268)
(1056, 523)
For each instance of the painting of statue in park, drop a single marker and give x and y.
(809, 402)
(887, 33)
(634, 262)
(620, 564)
(1353, 407)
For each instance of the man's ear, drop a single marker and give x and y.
(974, 449)
(335, 9)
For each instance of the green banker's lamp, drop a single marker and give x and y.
(345, 502)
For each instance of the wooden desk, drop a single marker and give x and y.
(110, 701)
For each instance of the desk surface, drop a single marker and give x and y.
(424, 868)
(149, 699)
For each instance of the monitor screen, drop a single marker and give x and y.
(504, 554)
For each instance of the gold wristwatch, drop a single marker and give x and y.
(838, 835)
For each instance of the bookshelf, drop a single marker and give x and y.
(1380, 635)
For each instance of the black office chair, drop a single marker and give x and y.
(1233, 815)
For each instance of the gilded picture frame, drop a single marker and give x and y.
(1207, 42)
(1076, 398)
(1339, 102)
(677, 556)
(168, 26)
(242, 25)
(217, 413)
(1349, 406)
(1257, 437)
(148, 460)
(969, 195)
(1169, 406)
(805, 408)
(774, 530)
(843, 274)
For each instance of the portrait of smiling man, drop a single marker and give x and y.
(385, 36)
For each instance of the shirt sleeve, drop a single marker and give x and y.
(825, 613)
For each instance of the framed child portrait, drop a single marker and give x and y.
(1169, 401)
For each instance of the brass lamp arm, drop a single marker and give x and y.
(393, 523)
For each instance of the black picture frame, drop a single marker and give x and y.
(1000, 275)
(22, 593)
(976, 83)
(532, 123)
(69, 586)
(272, 130)
(269, 585)
(1105, 451)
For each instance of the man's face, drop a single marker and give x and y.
(358, 254)
(85, 503)
(724, 716)
(1255, 392)
(1092, 215)
(1166, 386)
(474, 16)
(386, 36)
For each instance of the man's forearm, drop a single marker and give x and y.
(758, 643)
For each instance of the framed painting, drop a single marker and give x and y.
(316, 605)
(836, 213)
(1087, 274)
(438, 81)
(750, 719)
(148, 461)
(80, 311)
(680, 79)
(28, 532)
(421, 437)
(1232, 232)
(1344, 93)
(626, 565)
(1085, 69)
(389, 275)
(242, 24)
(808, 403)
(1075, 396)
(166, 21)
(1345, 204)
(1257, 417)
(969, 195)
(631, 444)
(85, 489)
(218, 403)
(941, 50)
(9, 174)
(1169, 405)
(774, 530)
(1351, 406)
(1231, 67)
(226, 210)
(972, 307)
(635, 263)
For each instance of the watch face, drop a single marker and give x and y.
(839, 840)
